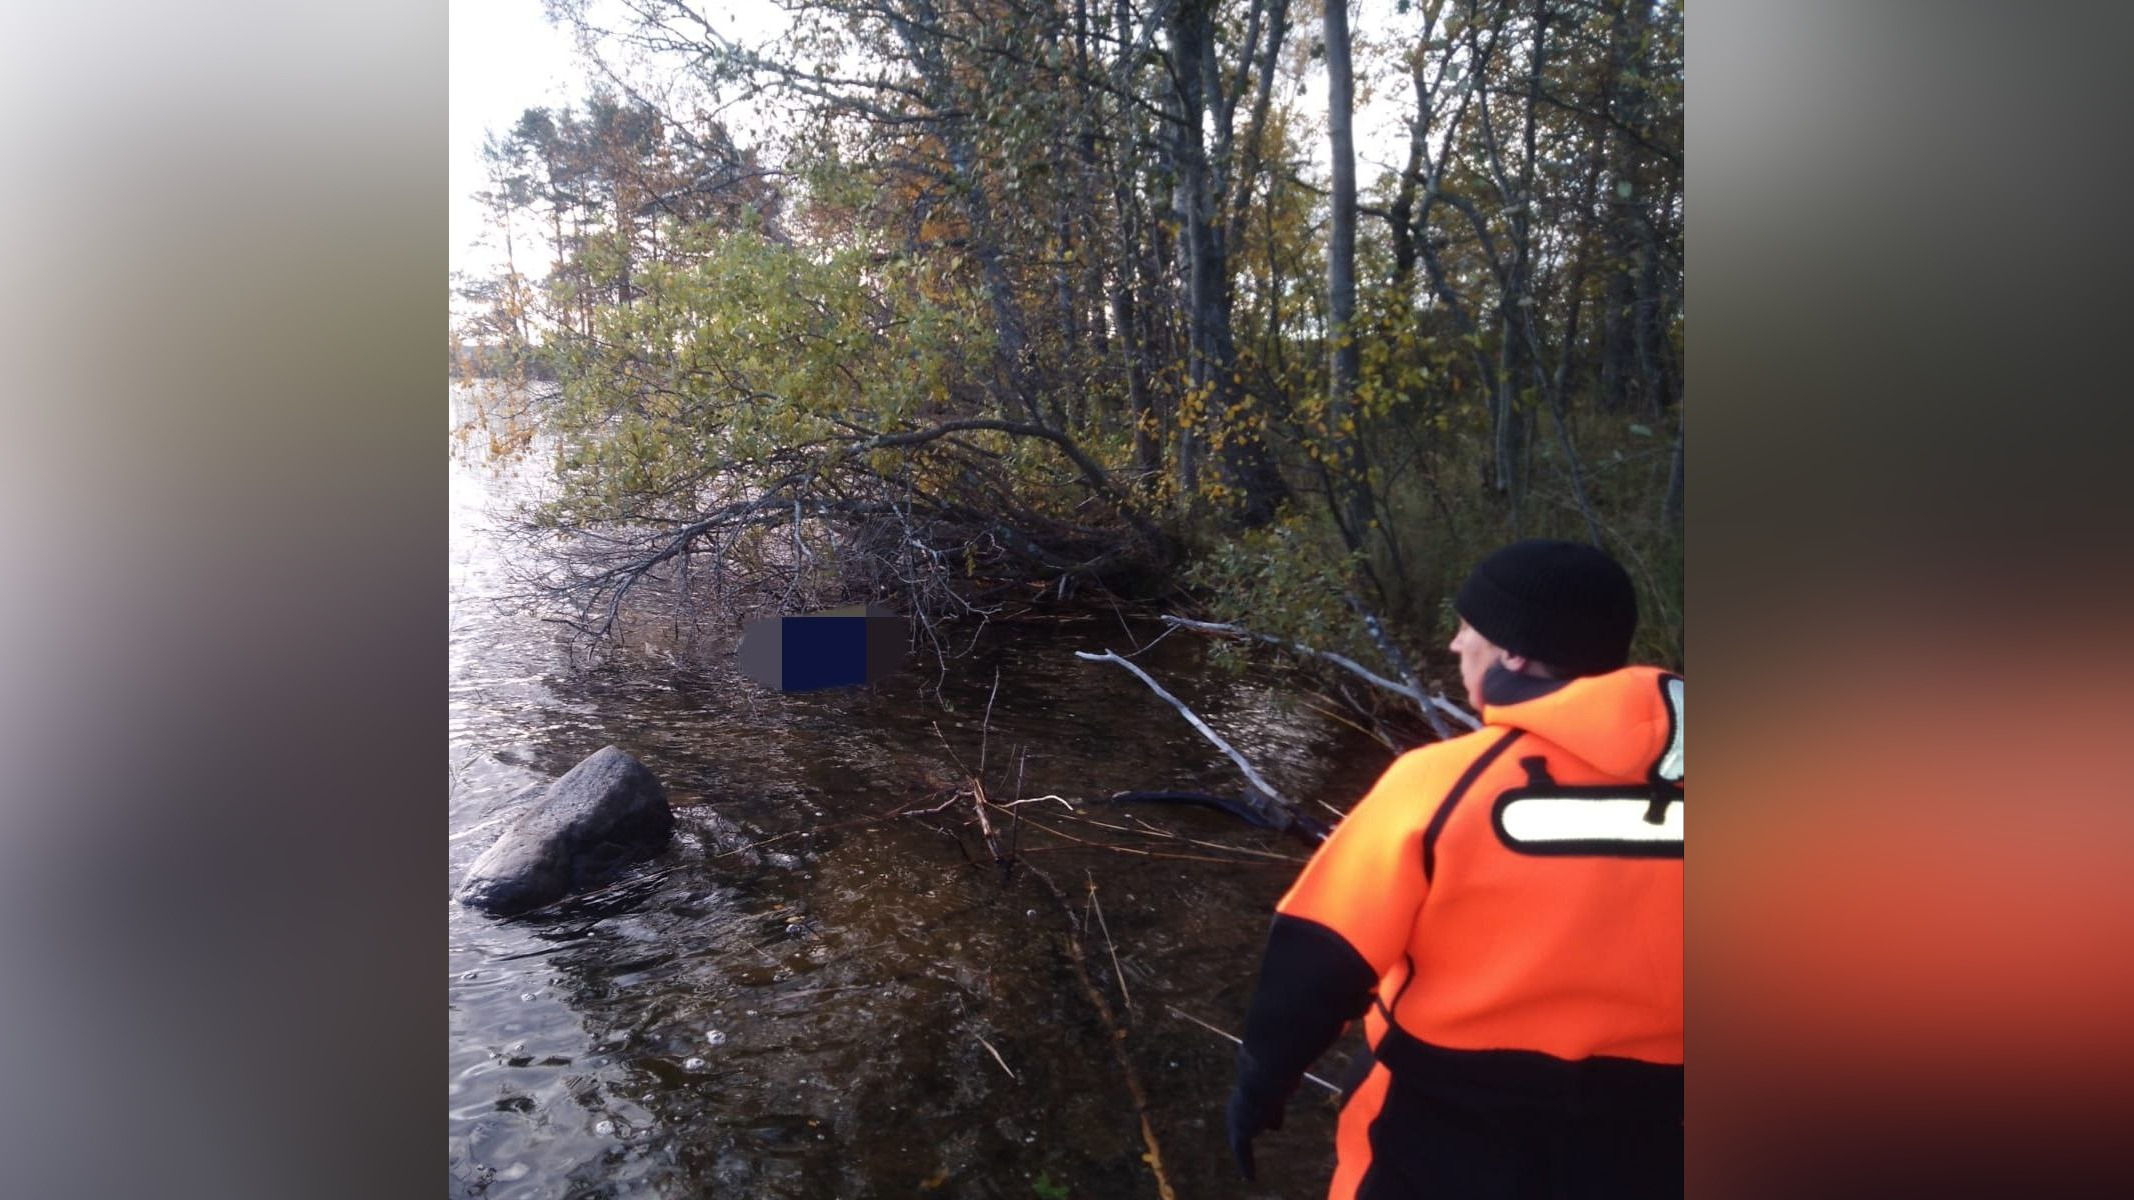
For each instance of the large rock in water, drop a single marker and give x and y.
(604, 812)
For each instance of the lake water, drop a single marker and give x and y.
(865, 1006)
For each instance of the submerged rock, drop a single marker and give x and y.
(606, 811)
(721, 840)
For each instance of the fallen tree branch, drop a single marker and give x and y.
(1340, 660)
(1251, 775)
(1412, 685)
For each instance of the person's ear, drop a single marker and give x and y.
(1515, 663)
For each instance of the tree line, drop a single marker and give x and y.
(1059, 293)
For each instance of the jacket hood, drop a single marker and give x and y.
(1624, 723)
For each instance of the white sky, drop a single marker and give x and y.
(504, 59)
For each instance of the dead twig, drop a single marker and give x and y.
(985, 827)
(1413, 686)
(1193, 719)
(996, 1057)
(1234, 1039)
(1343, 661)
(985, 727)
(1036, 799)
(1111, 949)
(1332, 715)
(951, 749)
(1139, 853)
(1117, 1038)
(898, 811)
(1148, 830)
(824, 991)
(1015, 825)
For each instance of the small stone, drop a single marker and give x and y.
(716, 1037)
(605, 1128)
(692, 1064)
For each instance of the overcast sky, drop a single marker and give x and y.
(504, 58)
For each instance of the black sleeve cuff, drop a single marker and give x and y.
(1312, 984)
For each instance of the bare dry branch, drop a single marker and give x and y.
(1109, 947)
(1340, 660)
(1256, 779)
(996, 1057)
(1233, 1038)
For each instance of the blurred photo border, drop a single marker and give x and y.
(226, 499)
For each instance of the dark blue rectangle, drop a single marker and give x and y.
(823, 652)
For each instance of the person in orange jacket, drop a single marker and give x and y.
(1504, 911)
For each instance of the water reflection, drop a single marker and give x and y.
(850, 1007)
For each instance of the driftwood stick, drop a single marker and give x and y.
(1238, 1041)
(1196, 722)
(1340, 660)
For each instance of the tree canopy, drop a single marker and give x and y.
(1096, 296)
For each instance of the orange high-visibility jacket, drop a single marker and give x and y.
(1505, 909)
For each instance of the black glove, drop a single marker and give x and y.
(1252, 1112)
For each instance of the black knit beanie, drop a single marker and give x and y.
(1565, 604)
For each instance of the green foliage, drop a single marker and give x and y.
(1048, 1190)
(1286, 579)
(734, 359)
(987, 212)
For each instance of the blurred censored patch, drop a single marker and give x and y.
(1910, 914)
(837, 647)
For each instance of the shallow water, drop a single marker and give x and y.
(871, 1009)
